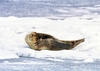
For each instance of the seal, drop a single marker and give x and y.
(41, 41)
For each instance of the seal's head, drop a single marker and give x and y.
(32, 37)
(31, 40)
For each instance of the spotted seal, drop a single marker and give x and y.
(41, 41)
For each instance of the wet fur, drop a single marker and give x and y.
(41, 41)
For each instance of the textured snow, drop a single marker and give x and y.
(13, 31)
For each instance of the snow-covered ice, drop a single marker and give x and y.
(65, 20)
(13, 31)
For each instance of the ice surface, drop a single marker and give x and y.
(65, 20)
(13, 31)
(29, 64)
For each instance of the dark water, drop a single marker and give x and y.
(47, 8)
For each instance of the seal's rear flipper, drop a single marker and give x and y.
(78, 42)
(74, 43)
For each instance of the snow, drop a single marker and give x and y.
(65, 20)
(88, 60)
(13, 31)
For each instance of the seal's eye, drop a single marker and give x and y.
(32, 35)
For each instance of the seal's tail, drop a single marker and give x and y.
(74, 42)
